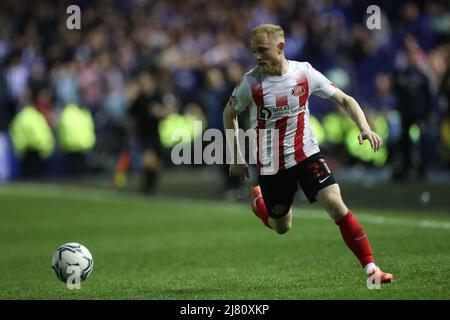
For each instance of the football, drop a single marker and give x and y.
(72, 259)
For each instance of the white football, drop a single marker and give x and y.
(72, 259)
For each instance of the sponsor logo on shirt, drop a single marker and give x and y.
(265, 113)
(280, 112)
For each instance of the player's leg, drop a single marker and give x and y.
(272, 200)
(331, 200)
(351, 230)
(318, 183)
(282, 223)
(258, 205)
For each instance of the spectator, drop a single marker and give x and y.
(185, 40)
(416, 105)
(144, 114)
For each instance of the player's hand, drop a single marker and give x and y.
(239, 170)
(375, 140)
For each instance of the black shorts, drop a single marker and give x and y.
(278, 190)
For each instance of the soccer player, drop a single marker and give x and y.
(276, 93)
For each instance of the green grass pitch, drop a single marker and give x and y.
(162, 248)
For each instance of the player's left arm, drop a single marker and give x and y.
(355, 112)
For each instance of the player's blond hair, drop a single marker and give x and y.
(273, 31)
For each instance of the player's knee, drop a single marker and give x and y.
(282, 224)
(334, 203)
(283, 228)
(335, 207)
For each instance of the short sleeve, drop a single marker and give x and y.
(320, 85)
(241, 97)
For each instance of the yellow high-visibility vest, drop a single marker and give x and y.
(173, 122)
(317, 128)
(29, 130)
(76, 130)
(364, 151)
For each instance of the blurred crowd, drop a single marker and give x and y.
(185, 57)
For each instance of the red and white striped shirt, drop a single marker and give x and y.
(281, 102)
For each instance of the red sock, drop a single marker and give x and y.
(355, 238)
(261, 211)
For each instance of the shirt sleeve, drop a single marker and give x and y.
(241, 97)
(320, 85)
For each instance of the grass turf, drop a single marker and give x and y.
(162, 248)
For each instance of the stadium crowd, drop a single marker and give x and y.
(185, 57)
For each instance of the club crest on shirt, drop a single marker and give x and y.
(298, 91)
(265, 113)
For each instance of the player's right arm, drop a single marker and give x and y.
(237, 103)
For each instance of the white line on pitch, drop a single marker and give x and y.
(98, 195)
